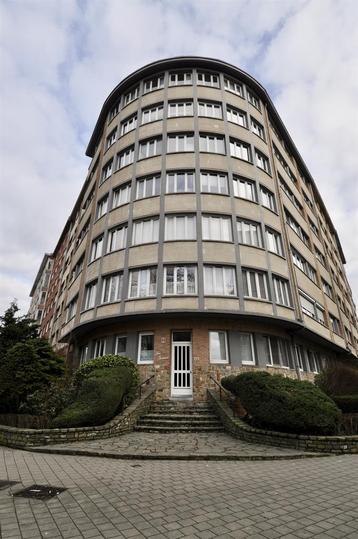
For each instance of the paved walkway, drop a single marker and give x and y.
(172, 499)
(208, 446)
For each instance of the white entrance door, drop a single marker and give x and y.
(181, 364)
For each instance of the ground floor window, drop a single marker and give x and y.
(218, 347)
(146, 348)
(121, 345)
(247, 351)
(99, 348)
(83, 354)
(277, 351)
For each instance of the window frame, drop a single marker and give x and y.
(156, 111)
(106, 288)
(140, 232)
(252, 348)
(112, 238)
(127, 122)
(175, 174)
(156, 181)
(148, 284)
(239, 148)
(254, 228)
(140, 335)
(214, 268)
(248, 283)
(125, 187)
(89, 300)
(175, 217)
(213, 224)
(176, 267)
(176, 104)
(224, 361)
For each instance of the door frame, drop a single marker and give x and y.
(177, 392)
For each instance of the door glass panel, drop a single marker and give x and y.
(181, 336)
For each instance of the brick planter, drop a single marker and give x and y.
(124, 422)
(321, 444)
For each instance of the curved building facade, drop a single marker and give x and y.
(199, 244)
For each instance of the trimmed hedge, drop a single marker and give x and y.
(103, 384)
(279, 403)
(347, 403)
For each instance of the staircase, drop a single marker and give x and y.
(180, 416)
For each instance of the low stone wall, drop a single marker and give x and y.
(240, 429)
(124, 422)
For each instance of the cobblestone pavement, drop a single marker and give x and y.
(215, 445)
(172, 499)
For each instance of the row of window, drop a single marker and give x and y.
(180, 108)
(178, 143)
(183, 227)
(185, 78)
(314, 310)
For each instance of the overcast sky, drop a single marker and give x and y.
(59, 59)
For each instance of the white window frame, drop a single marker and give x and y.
(145, 231)
(205, 78)
(174, 78)
(90, 295)
(219, 228)
(187, 139)
(173, 177)
(83, 354)
(252, 349)
(130, 96)
(268, 199)
(247, 186)
(177, 109)
(187, 227)
(143, 283)
(72, 309)
(210, 109)
(152, 114)
(224, 270)
(154, 83)
(139, 360)
(233, 86)
(116, 344)
(253, 100)
(222, 361)
(249, 228)
(128, 124)
(117, 238)
(102, 207)
(111, 139)
(280, 350)
(99, 348)
(113, 112)
(121, 195)
(281, 289)
(125, 158)
(107, 287)
(262, 161)
(240, 150)
(274, 241)
(257, 128)
(214, 182)
(236, 116)
(96, 248)
(149, 185)
(106, 171)
(211, 144)
(185, 292)
(247, 279)
(150, 147)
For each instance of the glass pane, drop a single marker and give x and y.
(147, 348)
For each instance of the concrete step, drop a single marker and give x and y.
(213, 422)
(180, 416)
(186, 428)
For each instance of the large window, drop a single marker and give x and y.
(244, 188)
(131, 95)
(246, 347)
(212, 144)
(71, 308)
(282, 291)
(112, 288)
(143, 283)
(249, 232)
(268, 199)
(208, 79)
(106, 171)
(180, 182)
(113, 112)
(111, 139)
(180, 143)
(257, 128)
(277, 352)
(120, 347)
(180, 108)
(219, 281)
(125, 158)
(152, 114)
(121, 195)
(303, 265)
(274, 241)
(96, 248)
(180, 227)
(146, 348)
(148, 187)
(311, 308)
(180, 280)
(218, 347)
(146, 231)
(240, 149)
(236, 116)
(90, 295)
(233, 86)
(117, 238)
(102, 207)
(180, 78)
(336, 326)
(216, 228)
(253, 99)
(255, 284)
(214, 182)
(150, 147)
(99, 348)
(262, 161)
(153, 84)
(210, 109)
(292, 223)
(129, 124)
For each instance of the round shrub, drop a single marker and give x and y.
(280, 403)
(228, 382)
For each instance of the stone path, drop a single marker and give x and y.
(107, 498)
(214, 446)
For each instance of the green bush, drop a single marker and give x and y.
(338, 379)
(347, 403)
(102, 385)
(279, 403)
(228, 382)
(50, 400)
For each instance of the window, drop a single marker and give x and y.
(292, 223)
(277, 351)
(219, 281)
(300, 355)
(320, 256)
(112, 287)
(268, 199)
(152, 114)
(180, 280)
(232, 86)
(307, 200)
(153, 84)
(146, 348)
(311, 308)
(131, 95)
(180, 78)
(180, 182)
(150, 147)
(83, 232)
(262, 161)
(214, 182)
(274, 241)
(257, 128)
(180, 227)
(143, 283)
(106, 171)
(125, 158)
(313, 361)
(210, 109)
(244, 188)
(282, 292)
(249, 232)
(208, 79)
(336, 326)
(120, 346)
(216, 228)
(313, 227)
(253, 99)
(83, 354)
(180, 108)
(71, 308)
(246, 347)
(236, 116)
(102, 207)
(327, 289)
(96, 248)
(283, 163)
(77, 268)
(146, 231)
(90, 295)
(113, 112)
(180, 143)
(111, 139)
(148, 187)
(121, 195)
(99, 348)
(218, 347)
(211, 143)
(240, 149)
(117, 238)
(129, 124)
(303, 265)
(290, 195)
(255, 284)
